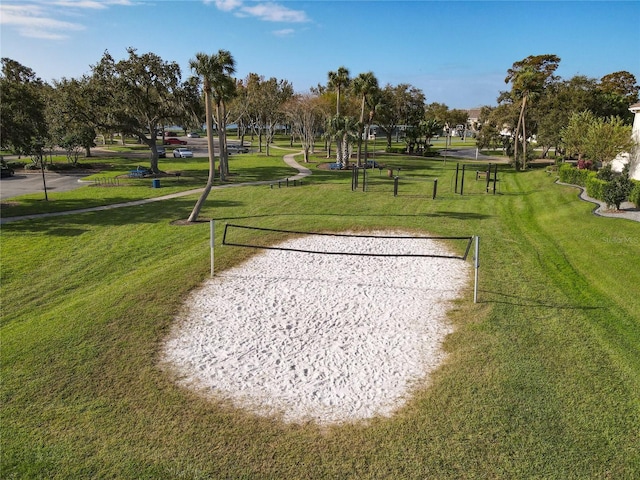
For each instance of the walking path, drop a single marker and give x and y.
(289, 159)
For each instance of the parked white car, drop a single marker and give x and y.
(182, 152)
(236, 148)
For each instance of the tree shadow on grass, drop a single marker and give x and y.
(459, 215)
(75, 224)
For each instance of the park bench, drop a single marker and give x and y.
(139, 172)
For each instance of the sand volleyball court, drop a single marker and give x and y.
(321, 338)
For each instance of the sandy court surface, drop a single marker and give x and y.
(322, 338)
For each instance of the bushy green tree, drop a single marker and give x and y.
(138, 95)
(401, 104)
(23, 127)
(72, 116)
(606, 138)
(574, 135)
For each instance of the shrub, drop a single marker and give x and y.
(606, 173)
(574, 176)
(634, 196)
(16, 165)
(565, 173)
(617, 191)
(585, 164)
(396, 149)
(596, 187)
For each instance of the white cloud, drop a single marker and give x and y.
(226, 5)
(273, 12)
(35, 20)
(92, 4)
(267, 11)
(32, 21)
(285, 32)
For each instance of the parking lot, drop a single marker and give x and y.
(23, 183)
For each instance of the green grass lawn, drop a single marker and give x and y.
(110, 183)
(542, 378)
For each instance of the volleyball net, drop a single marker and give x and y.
(338, 243)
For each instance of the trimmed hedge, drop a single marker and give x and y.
(574, 176)
(596, 187)
(634, 196)
(606, 191)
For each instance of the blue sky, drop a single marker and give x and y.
(457, 52)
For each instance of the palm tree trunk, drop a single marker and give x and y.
(222, 141)
(360, 132)
(212, 161)
(366, 143)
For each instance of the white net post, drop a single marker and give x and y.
(476, 265)
(212, 229)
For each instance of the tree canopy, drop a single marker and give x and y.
(23, 126)
(140, 94)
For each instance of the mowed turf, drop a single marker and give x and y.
(542, 377)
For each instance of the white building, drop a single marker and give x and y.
(633, 157)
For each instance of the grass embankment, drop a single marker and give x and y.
(542, 378)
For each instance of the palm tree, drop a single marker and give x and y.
(365, 85)
(338, 80)
(223, 89)
(214, 71)
(345, 130)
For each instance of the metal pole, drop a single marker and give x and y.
(457, 170)
(435, 188)
(462, 181)
(212, 230)
(44, 181)
(364, 179)
(488, 176)
(476, 260)
(495, 177)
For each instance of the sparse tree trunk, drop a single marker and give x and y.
(517, 135)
